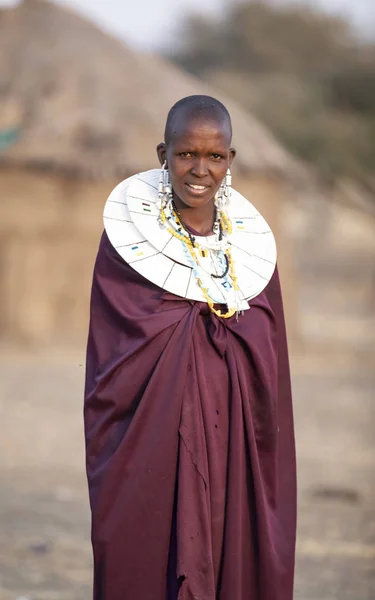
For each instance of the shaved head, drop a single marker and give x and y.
(196, 108)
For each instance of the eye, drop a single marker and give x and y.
(186, 154)
(216, 157)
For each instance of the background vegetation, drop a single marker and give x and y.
(306, 74)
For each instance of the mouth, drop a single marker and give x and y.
(197, 189)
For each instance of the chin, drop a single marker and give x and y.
(195, 201)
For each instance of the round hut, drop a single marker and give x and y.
(79, 112)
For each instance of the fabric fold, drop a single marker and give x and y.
(189, 444)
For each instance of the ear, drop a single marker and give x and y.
(161, 149)
(232, 154)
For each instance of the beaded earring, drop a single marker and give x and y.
(228, 186)
(225, 192)
(222, 198)
(165, 188)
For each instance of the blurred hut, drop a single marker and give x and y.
(78, 113)
(333, 235)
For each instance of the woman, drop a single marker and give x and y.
(188, 414)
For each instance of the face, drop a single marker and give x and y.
(198, 157)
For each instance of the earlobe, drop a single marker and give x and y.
(161, 150)
(232, 154)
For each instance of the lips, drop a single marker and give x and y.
(197, 188)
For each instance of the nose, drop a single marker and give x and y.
(199, 168)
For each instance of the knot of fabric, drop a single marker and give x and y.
(215, 327)
(204, 309)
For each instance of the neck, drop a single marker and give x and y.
(201, 218)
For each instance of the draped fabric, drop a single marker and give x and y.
(189, 444)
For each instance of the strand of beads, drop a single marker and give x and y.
(204, 287)
(226, 223)
(210, 243)
(221, 255)
(174, 226)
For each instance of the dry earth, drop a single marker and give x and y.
(44, 519)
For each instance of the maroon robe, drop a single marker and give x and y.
(190, 445)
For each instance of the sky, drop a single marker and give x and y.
(150, 24)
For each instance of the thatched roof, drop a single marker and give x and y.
(80, 101)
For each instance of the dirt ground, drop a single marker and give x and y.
(45, 550)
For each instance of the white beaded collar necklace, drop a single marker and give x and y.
(131, 223)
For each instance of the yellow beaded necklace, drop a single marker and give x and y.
(227, 226)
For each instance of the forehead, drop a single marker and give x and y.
(200, 128)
